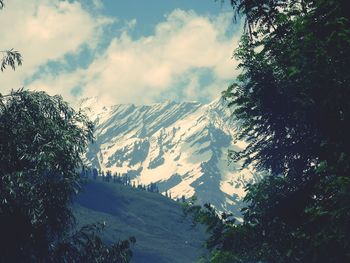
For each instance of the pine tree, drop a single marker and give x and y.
(103, 176)
(94, 173)
(108, 176)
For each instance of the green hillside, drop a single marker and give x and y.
(163, 234)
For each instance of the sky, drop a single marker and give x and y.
(123, 51)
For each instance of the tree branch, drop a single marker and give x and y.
(10, 58)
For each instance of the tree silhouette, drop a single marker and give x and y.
(292, 104)
(42, 140)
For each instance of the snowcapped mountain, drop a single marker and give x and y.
(180, 146)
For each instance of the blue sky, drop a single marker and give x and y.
(124, 51)
(149, 13)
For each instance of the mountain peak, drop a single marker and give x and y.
(180, 146)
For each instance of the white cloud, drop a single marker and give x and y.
(43, 31)
(128, 70)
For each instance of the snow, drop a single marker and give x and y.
(180, 146)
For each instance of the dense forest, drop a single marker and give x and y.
(292, 105)
(123, 179)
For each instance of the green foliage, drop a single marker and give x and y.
(292, 97)
(10, 58)
(86, 245)
(42, 140)
(219, 256)
(292, 101)
(41, 143)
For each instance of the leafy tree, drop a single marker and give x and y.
(41, 143)
(86, 245)
(10, 57)
(292, 102)
(42, 140)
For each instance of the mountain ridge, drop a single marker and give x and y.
(181, 146)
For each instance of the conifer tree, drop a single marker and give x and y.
(108, 176)
(94, 173)
(103, 176)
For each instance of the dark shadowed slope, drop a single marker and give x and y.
(163, 235)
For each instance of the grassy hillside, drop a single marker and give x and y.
(163, 235)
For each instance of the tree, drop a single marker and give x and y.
(41, 143)
(292, 103)
(10, 57)
(94, 173)
(103, 175)
(85, 245)
(108, 176)
(42, 140)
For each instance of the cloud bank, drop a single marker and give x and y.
(188, 56)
